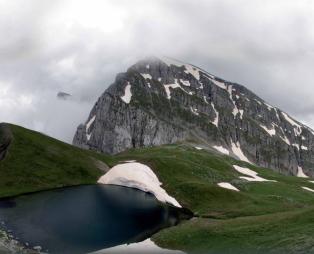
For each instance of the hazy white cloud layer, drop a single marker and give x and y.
(78, 46)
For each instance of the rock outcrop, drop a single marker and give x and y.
(162, 101)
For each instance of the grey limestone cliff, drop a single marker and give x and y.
(162, 101)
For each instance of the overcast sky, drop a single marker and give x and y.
(78, 46)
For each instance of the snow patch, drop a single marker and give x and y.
(290, 120)
(236, 149)
(296, 146)
(146, 76)
(252, 175)
(147, 246)
(298, 127)
(139, 176)
(241, 111)
(90, 122)
(88, 125)
(301, 173)
(185, 82)
(198, 148)
(258, 101)
(271, 132)
(127, 94)
(159, 79)
(216, 120)
(277, 115)
(205, 99)
(222, 85)
(304, 148)
(147, 66)
(227, 186)
(221, 149)
(235, 110)
(194, 111)
(307, 188)
(286, 140)
(201, 85)
(269, 107)
(173, 86)
(189, 69)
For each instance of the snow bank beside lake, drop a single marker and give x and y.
(139, 176)
(147, 246)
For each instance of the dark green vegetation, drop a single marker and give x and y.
(264, 217)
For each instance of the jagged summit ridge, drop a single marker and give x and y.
(161, 101)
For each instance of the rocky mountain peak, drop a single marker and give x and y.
(160, 101)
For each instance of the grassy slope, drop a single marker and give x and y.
(285, 232)
(192, 176)
(37, 162)
(266, 217)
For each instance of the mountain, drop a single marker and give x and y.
(163, 101)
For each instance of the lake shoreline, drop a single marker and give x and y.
(13, 244)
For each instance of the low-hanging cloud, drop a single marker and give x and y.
(78, 47)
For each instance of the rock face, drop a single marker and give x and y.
(162, 101)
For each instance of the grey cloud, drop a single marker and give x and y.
(265, 45)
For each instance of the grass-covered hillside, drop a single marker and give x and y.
(262, 217)
(37, 162)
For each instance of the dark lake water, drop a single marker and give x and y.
(85, 218)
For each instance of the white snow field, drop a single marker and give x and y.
(139, 176)
(145, 247)
(251, 175)
(227, 186)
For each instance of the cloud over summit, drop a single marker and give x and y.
(79, 46)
